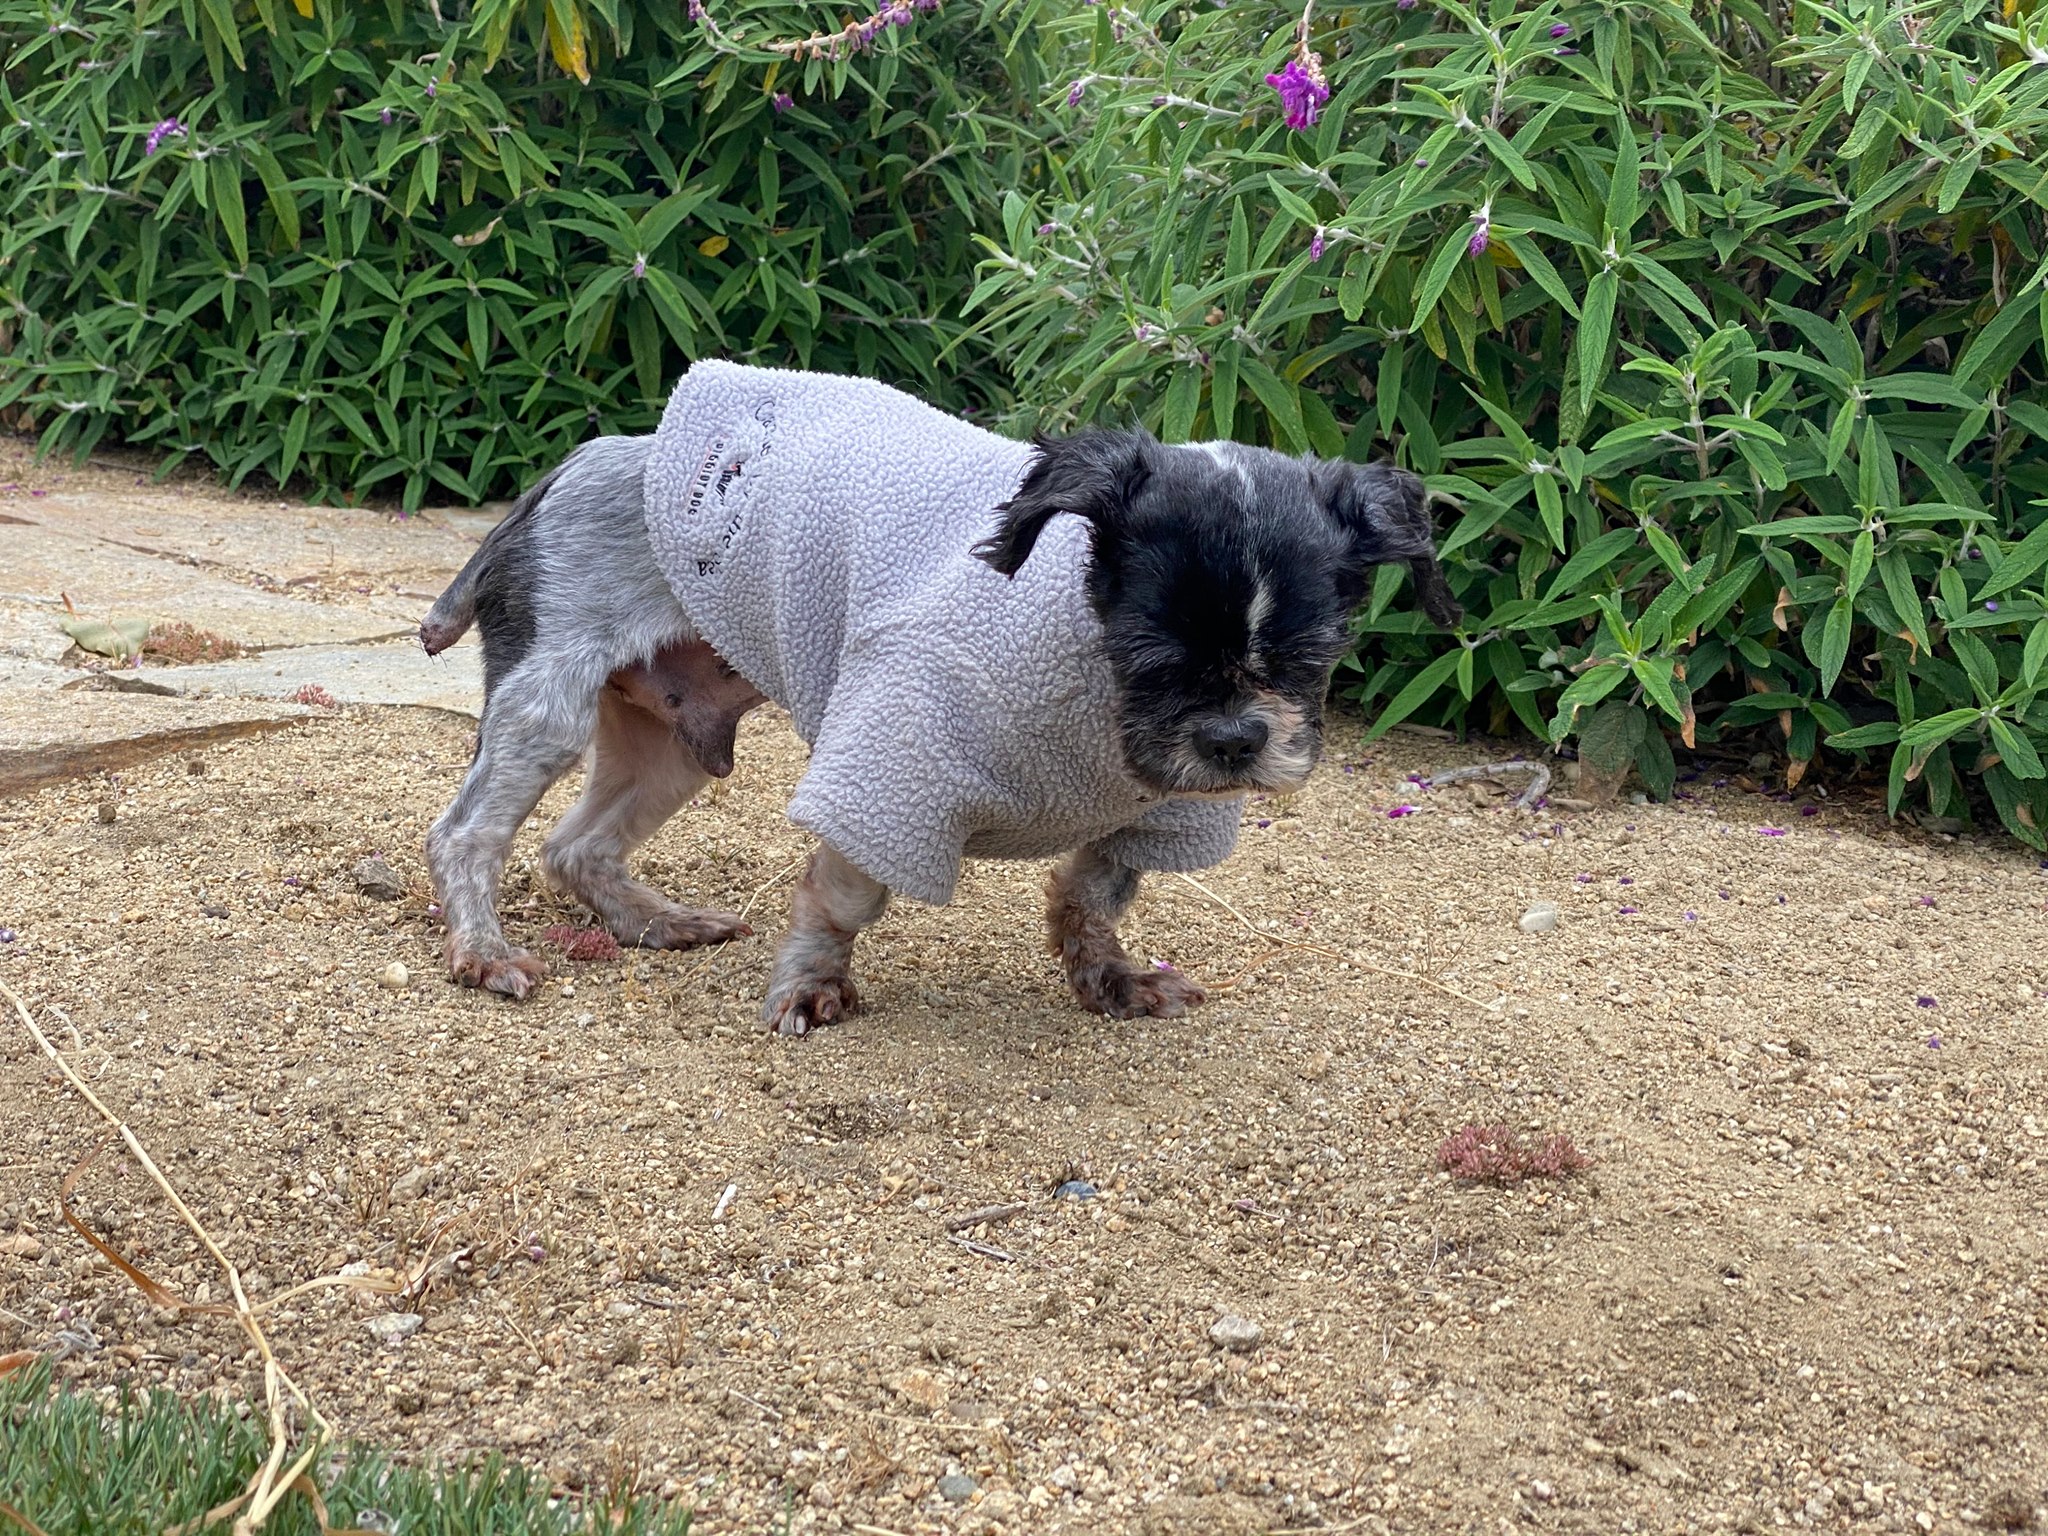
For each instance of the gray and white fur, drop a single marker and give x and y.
(1123, 720)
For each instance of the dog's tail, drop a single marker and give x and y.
(455, 610)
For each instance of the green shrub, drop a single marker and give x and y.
(417, 250)
(1721, 329)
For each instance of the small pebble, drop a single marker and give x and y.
(377, 880)
(395, 976)
(1540, 918)
(395, 1327)
(107, 811)
(7, 935)
(1075, 1189)
(1233, 1332)
(955, 1488)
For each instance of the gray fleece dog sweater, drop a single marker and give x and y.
(818, 532)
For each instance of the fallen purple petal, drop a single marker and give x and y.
(1583, 879)
(1691, 916)
(1401, 810)
(1626, 911)
(1926, 901)
(1628, 880)
(1923, 1002)
(1770, 831)
(8, 935)
(1934, 1042)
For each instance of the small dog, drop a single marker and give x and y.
(1093, 646)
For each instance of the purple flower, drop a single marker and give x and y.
(1561, 29)
(1482, 231)
(1317, 246)
(1400, 811)
(1302, 92)
(1991, 607)
(433, 89)
(1934, 1042)
(781, 101)
(1770, 831)
(1923, 1002)
(385, 117)
(696, 10)
(1074, 92)
(1046, 228)
(640, 265)
(169, 128)
(1161, 965)
(1404, 5)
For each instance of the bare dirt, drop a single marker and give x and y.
(1801, 1286)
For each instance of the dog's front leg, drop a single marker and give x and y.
(810, 985)
(1087, 895)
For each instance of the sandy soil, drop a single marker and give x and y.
(1802, 1286)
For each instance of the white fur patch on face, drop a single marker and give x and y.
(1255, 617)
(1225, 456)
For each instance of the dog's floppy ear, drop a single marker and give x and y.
(1093, 474)
(1384, 511)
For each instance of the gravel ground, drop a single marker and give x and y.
(1801, 1286)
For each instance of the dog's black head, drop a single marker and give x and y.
(1223, 576)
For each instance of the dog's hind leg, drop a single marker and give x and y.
(640, 775)
(810, 985)
(519, 755)
(1088, 894)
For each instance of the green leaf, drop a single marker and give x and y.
(1183, 399)
(1834, 643)
(2017, 752)
(1596, 328)
(2020, 562)
(1415, 694)
(1881, 733)
(120, 637)
(1932, 732)
(1437, 275)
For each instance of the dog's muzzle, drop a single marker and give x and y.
(1228, 743)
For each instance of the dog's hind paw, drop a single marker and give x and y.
(803, 1005)
(513, 972)
(1123, 992)
(683, 928)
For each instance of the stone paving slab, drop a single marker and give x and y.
(395, 673)
(47, 735)
(283, 541)
(45, 564)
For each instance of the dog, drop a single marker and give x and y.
(1092, 646)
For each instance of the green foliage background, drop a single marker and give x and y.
(1719, 328)
(402, 250)
(1737, 409)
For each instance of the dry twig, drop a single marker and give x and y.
(273, 1480)
(967, 1219)
(1538, 786)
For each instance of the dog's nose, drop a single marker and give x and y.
(1232, 741)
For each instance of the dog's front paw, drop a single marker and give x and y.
(800, 1006)
(684, 928)
(499, 968)
(1123, 992)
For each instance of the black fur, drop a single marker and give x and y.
(500, 578)
(1224, 577)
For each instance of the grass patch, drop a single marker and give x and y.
(77, 1464)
